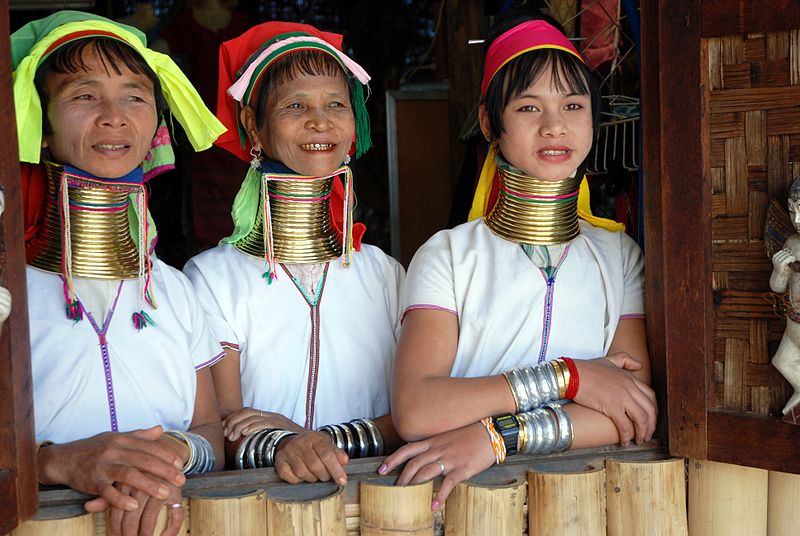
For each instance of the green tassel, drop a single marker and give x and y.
(363, 134)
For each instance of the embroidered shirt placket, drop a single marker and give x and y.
(313, 351)
(550, 281)
(101, 337)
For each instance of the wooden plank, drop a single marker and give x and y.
(16, 394)
(743, 257)
(777, 45)
(9, 516)
(736, 76)
(62, 502)
(777, 170)
(736, 176)
(759, 340)
(676, 262)
(729, 228)
(725, 17)
(755, 132)
(783, 121)
(757, 203)
(753, 440)
(736, 354)
(727, 125)
(757, 98)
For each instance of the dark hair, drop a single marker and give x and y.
(569, 74)
(287, 68)
(112, 54)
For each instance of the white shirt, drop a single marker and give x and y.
(315, 365)
(510, 313)
(137, 379)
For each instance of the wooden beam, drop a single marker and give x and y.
(16, 390)
(676, 194)
(727, 17)
(753, 440)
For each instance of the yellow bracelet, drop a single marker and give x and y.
(562, 383)
(498, 445)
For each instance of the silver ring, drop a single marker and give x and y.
(441, 467)
(173, 506)
(260, 413)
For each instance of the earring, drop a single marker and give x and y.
(346, 159)
(255, 152)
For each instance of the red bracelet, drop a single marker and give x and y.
(574, 380)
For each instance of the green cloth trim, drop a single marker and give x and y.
(245, 206)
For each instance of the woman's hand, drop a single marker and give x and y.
(608, 386)
(457, 455)
(94, 465)
(309, 457)
(142, 521)
(247, 420)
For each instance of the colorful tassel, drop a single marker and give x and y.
(363, 134)
(74, 311)
(141, 320)
(270, 276)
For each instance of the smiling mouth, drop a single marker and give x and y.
(110, 147)
(317, 146)
(555, 152)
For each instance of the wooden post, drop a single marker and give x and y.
(483, 506)
(784, 498)
(646, 498)
(726, 499)
(567, 503)
(315, 510)
(82, 525)
(215, 515)
(387, 509)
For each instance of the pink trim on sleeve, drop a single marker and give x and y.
(229, 346)
(632, 316)
(213, 361)
(425, 306)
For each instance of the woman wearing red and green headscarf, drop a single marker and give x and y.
(307, 313)
(123, 397)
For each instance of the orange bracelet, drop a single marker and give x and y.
(498, 445)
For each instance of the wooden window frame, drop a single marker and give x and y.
(677, 234)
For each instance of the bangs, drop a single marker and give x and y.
(112, 53)
(288, 68)
(521, 72)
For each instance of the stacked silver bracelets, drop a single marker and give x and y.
(201, 454)
(534, 386)
(258, 449)
(542, 432)
(359, 438)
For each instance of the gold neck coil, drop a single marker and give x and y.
(301, 222)
(535, 211)
(100, 238)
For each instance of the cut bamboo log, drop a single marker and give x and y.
(726, 499)
(316, 510)
(567, 503)
(784, 496)
(82, 525)
(644, 498)
(225, 514)
(485, 505)
(387, 509)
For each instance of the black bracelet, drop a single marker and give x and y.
(507, 426)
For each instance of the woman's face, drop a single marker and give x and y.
(547, 133)
(103, 122)
(309, 124)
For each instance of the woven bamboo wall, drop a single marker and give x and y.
(752, 100)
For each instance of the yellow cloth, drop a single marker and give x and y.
(201, 126)
(481, 199)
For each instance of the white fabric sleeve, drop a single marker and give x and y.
(633, 272)
(210, 302)
(430, 279)
(204, 348)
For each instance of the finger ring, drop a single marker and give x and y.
(175, 505)
(260, 413)
(441, 466)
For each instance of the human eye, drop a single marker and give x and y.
(136, 98)
(574, 106)
(528, 108)
(84, 97)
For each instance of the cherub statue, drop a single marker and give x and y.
(5, 295)
(786, 276)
